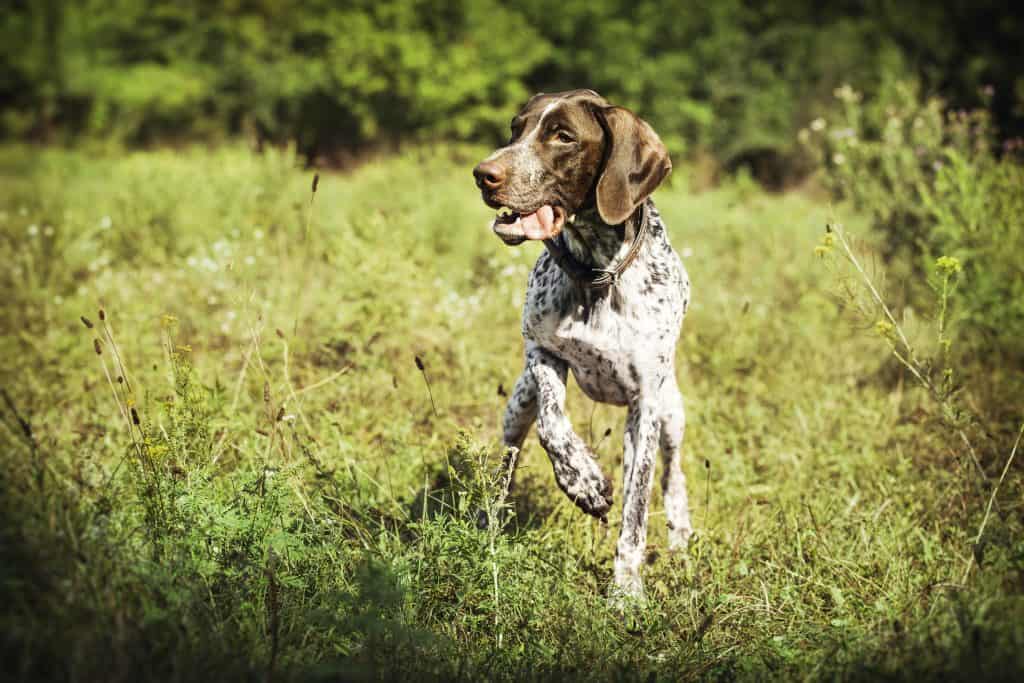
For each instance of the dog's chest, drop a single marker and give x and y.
(613, 342)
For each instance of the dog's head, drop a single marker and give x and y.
(570, 151)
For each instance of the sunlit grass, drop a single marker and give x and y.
(310, 524)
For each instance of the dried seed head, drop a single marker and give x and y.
(279, 332)
(316, 181)
(120, 379)
(135, 417)
(707, 464)
(266, 392)
(501, 390)
(103, 314)
(86, 322)
(280, 414)
(97, 346)
(828, 228)
(607, 433)
(419, 363)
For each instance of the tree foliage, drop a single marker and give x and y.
(735, 78)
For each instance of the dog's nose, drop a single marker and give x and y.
(489, 175)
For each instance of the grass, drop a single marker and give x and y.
(295, 502)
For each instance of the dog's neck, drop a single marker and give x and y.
(593, 242)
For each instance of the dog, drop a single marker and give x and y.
(606, 299)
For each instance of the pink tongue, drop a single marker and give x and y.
(539, 225)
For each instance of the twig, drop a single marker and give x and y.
(423, 371)
(991, 500)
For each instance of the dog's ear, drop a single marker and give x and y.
(636, 162)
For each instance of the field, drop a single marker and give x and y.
(234, 467)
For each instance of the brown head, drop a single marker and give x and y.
(570, 151)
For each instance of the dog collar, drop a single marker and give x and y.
(601, 278)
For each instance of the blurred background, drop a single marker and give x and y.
(730, 82)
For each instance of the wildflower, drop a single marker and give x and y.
(48, 230)
(687, 252)
(257, 234)
(106, 223)
(818, 125)
(948, 265)
(33, 230)
(838, 158)
(167, 320)
(803, 136)
(885, 328)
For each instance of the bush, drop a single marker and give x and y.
(933, 186)
(735, 79)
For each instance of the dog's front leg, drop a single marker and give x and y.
(642, 430)
(576, 470)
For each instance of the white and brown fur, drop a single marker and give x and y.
(619, 342)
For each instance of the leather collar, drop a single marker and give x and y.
(601, 278)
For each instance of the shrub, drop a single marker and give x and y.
(933, 186)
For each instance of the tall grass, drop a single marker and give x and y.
(252, 479)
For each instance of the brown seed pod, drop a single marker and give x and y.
(103, 314)
(97, 346)
(86, 322)
(316, 181)
(419, 363)
(135, 417)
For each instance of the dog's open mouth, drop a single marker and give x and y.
(515, 228)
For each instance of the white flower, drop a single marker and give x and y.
(106, 223)
(687, 252)
(818, 124)
(249, 260)
(257, 234)
(33, 230)
(48, 230)
(58, 300)
(192, 262)
(838, 159)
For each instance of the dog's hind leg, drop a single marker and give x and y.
(520, 414)
(673, 481)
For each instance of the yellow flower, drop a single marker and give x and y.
(948, 265)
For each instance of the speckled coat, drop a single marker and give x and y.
(619, 344)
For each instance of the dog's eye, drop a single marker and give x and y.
(563, 136)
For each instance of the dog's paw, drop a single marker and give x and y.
(679, 537)
(581, 478)
(597, 500)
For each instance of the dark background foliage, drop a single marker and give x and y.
(734, 79)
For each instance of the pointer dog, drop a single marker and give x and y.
(606, 299)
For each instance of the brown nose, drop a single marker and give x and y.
(489, 175)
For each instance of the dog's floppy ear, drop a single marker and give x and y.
(636, 162)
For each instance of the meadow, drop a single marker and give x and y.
(247, 427)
